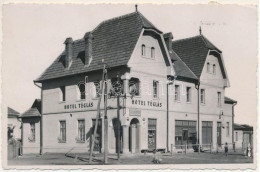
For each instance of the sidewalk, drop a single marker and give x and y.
(166, 158)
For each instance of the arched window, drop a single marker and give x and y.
(214, 69)
(208, 67)
(152, 52)
(81, 91)
(143, 50)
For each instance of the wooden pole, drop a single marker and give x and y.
(118, 120)
(97, 117)
(105, 120)
(171, 149)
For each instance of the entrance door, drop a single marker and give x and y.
(134, 136)
(185, 136)
(98, 139)
(152, 134)
(206, 133)
(219, 133)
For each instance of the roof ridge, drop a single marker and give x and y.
(184, 39)
(206, 41)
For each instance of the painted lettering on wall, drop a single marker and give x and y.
(146, 103)
(78, 106)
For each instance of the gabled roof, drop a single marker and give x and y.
(180, 68)
(34, 111)
(114, 41)
(193, 52)
(230, 101)
(12, 113)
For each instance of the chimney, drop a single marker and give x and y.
(68, 52)
(88, 47)
(168, 40)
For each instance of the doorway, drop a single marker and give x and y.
(151, 134)
(134, 131)
(98, 139)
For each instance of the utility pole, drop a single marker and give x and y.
(118, 120)
(98, 115)
(105, 119)
(198, 108)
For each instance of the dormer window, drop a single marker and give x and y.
(208, 67)
(81, 91)
(143, 50)
(62, 93)
(214, 69)
(152, 52)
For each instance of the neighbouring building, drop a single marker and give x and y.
(243, 136)
(14, 124)
(173, 92)
(31, 128)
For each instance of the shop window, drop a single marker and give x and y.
(177, 93)
(152, 52)
(214, 69)
(202, 96)
(32, 132)
(81, 130)
(155, 89)
(143, 50)
(219, 99)
(188, 94)
(62, 137)
(62, 93)
(134, 86)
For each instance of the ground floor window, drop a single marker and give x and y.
(62, 137)
(206, 133)
(32, 132)
(151, 133)
(185, 133)
(81, 130)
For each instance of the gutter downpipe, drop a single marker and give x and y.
(167, 92)
(41, 127)
(233, 116)
(197, 86)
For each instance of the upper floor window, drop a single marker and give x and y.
(134, 86)
(116, 87)
(32, 132)
(214, 69)
(82, 90)
(97, 90)
(208, 67)
(202, 96)
(227, 129)
(81, 130)
(62, 137)
(177, 93)
(188, 94)
(155, 89)
(152, 52)
(219, 98)
(143, 50)
(62, 93)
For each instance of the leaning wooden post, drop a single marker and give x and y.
(98, 112)
(105, 119)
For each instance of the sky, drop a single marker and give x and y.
(33, 37)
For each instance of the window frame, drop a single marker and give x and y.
(143, 50)
(62, 93)
(219, 99)
(81, 130)
(202, 96)
(152, 52)
(177, 93)
(228, 129)
(81, 95)
(63, 132)
(32, 131)
(155, 90)
(214, 69)
(188, 94)
(236, 136)
(208, 67)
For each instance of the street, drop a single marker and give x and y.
(166, 158)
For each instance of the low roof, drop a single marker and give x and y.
(114, 41)
(193, 52)
(34, 111)
(243, 127)
(12, 113)
(229, 100)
